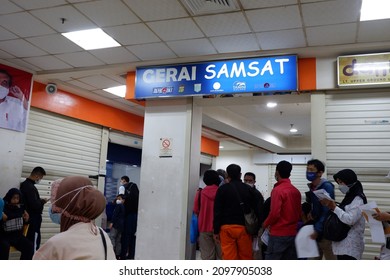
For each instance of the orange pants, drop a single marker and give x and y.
(236, 243)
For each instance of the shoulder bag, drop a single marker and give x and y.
(251, 220)
(334, 229)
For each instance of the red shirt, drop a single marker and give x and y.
(285, 209)
(206, 213)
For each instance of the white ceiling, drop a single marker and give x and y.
(154, 32)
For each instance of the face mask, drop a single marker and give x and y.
(37, 181)
(3, 92)
(311, 176)
(343, 188)
(55, 217)
(118, 201)
(252, 185)
(78, 190)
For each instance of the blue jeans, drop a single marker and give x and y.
(281, 248)
(128, 237)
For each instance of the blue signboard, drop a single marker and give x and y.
(262, 74)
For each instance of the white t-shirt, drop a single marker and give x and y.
(121, 190)
(12, 114)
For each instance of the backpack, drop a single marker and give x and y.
(334, 229)
(127, 189)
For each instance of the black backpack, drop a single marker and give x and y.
(127, 189)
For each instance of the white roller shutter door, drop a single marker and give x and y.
(63, 147)
(125, 139)
(358, 137)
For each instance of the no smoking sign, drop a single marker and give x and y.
(165, 147)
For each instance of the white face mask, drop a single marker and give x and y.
(343, 188)
(118, 201)
(3, 92)
(252, 185)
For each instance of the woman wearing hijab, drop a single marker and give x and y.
(348, 211)
(80, 204)
(11, 232)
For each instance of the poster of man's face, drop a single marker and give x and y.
(15, 90)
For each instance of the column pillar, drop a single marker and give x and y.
(169, 178)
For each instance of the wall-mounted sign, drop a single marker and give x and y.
(166, 147)
(262, 74)
(363, 70)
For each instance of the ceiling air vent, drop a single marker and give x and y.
(203, 7)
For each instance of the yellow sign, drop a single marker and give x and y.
(363, 70)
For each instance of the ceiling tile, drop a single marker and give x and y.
(293, 38)
(177, 29)
(74, 20)
(80, 59)
(192, 47)
(117, 78)
(77, 1)
(374, 30)
(82, 85)
(274, 18)
(311, 1)
(24, 64)
(101, 12)
(253, 4)
(38, 4)
(24, 24)
(54, 44)
(331, 12)
(6, 35)
(132, 34)
(7, 8)
(152, 51)
(331, 34)
(235, 43)
(157, 9)
(114, 55)
(20, 48)
(99, 81)
(47, 62)
(5, 55)
(225, 24)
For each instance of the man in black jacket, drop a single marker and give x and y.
(34, 205)
(229, 223)
(131, 215)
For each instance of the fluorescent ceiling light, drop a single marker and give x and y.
(271, 104)
(221, 147)
(119, 90)
(293, 129)
(374, 10)
(91, 39)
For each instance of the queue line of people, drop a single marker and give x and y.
(282, 215)
(220, 205)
